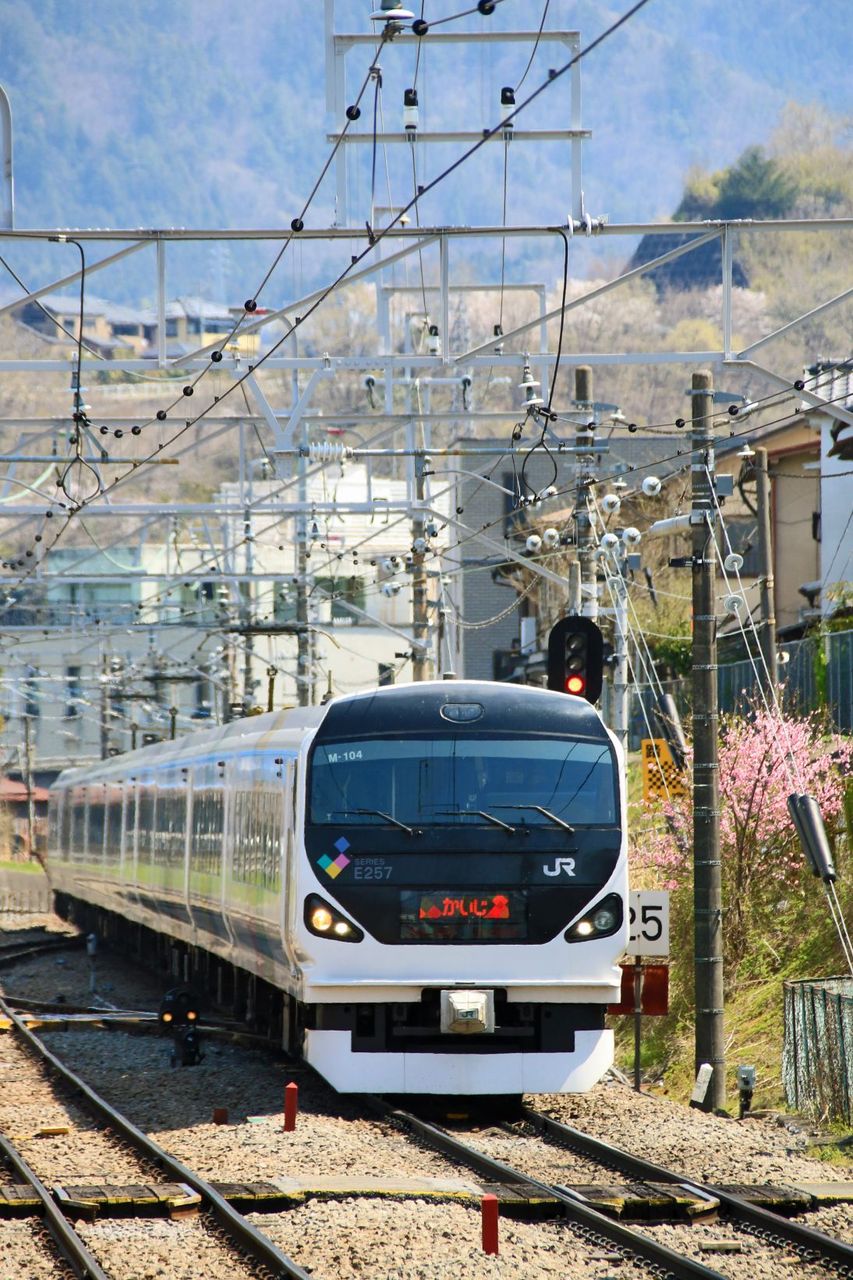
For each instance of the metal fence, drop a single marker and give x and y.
(799, 685)
(817, 1051)
(24, 901)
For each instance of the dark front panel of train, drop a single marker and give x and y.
(415, 1027)
(462, 887)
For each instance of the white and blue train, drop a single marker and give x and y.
(432, 875)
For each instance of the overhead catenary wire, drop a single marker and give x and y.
(554, 75)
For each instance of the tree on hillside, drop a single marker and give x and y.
(755, 186)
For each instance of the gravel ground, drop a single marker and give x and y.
(757, 1261)
(404, 1240)
(149, 1250)
(835, 1221)
(176, 1106)
(705, 1147)
(28, 1105)
(67, 977)
(418, 1240)
(24, 1253)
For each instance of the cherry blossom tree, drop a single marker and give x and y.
(763, 759)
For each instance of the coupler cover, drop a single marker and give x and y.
(467, 1012)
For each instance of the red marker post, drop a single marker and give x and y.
(489, 1206)
(291, 1102)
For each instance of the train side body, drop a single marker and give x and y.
(396, 862)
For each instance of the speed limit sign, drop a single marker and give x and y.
(648, 923)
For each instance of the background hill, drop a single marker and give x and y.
(210, 114)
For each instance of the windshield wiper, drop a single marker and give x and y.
(539, 809)
(379, 813)
(480, 813)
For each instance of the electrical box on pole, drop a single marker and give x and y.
(576, 658)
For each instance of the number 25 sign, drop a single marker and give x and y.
(648, 923)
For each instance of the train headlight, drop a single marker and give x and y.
(191, 1015)
(326, 921)
(604, 919)
(166, 1017)
(321, 919)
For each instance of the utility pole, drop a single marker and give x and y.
(28, 781)
(767, 628)
(584, 459)
(105, 707)
(420, 620)
(246, 604)
(304, 672)
(707, 869)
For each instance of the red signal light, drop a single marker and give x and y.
(575, 684)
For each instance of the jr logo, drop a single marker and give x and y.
(560, 864)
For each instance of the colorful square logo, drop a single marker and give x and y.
(334, 866)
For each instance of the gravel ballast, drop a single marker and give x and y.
(415, 1237)
(24, 1253)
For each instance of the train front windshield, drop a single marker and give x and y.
(445, 781)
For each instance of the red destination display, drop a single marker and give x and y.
(463, 915)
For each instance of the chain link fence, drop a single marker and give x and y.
(817, 1051)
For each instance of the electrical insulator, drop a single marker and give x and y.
(528, 385)
(498, 334)
(507, 105)
(391, 11)
(434, 341)
(328, 451)
(410, 109)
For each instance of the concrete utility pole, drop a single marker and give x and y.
(767, 628)
(246, 609)
(707, 869)
(420, 617)
(304, 655)
(105, 706)
(28, 782)
(585, 442)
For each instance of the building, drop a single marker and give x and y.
(117, 649)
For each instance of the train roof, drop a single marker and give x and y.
(476, 705)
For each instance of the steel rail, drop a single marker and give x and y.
(574, 1208)
(10, 953)
(72, 1246)
(261, 1249)
(735, 1206)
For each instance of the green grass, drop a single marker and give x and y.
(30, 868)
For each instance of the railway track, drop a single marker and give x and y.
(601, 1233)
(217, 1215)
(598, 1230)
(811, 1245)
(769, 1228)
(12, 952)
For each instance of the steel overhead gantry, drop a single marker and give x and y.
(339, 44)
(440, 248)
